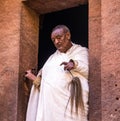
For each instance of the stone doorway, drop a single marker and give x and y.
(32, 17)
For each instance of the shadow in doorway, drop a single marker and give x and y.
(77, 21)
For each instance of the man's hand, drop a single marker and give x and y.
(68, 65)
(30, 75)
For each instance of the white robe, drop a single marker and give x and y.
(49, 104)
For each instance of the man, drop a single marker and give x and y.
(57, 95)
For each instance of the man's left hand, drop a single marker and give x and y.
(68, 65)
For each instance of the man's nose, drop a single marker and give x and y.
(56, 40)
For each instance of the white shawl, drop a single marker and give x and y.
(49, 104)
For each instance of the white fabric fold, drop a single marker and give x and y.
(49, 104)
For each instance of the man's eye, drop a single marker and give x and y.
(59, 37)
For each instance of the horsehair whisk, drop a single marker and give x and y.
(75, 98)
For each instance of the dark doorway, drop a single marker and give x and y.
(75, 18)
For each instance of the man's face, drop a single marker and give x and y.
(61, 40)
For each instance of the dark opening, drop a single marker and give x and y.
(75, 18)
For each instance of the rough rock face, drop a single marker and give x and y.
(95, 60)
(110, 60)
(104, 41)
(28, 55)
(18, 52)
(47, 6)
(9, 59)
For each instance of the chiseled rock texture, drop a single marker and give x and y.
(18, 52)
(9, 58)
(29, 36)
(110, 60)
(95, 60)
(104, 48)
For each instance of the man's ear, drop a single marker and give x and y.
(68, 35)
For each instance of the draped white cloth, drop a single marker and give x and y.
(49, 104)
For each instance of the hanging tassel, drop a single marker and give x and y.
(76, 98)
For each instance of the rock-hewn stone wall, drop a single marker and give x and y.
(104, 41)
(28, 55)
(9, 58)
(110, 60)
(18, 52)
(95, 60)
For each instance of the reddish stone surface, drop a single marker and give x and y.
(94, 8)
(47, 6)
(28, 55)
(104, 34)
(18, 52)
(95, 63)
(110, 58)
(9, 58)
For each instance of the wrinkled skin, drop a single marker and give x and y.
(61, 40)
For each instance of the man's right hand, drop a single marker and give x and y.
(30, 75)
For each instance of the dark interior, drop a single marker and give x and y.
(77, 21)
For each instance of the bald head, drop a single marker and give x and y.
(61, 38)
(65, 28)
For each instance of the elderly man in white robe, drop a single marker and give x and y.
(60, 90)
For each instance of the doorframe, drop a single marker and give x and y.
(94, 55)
